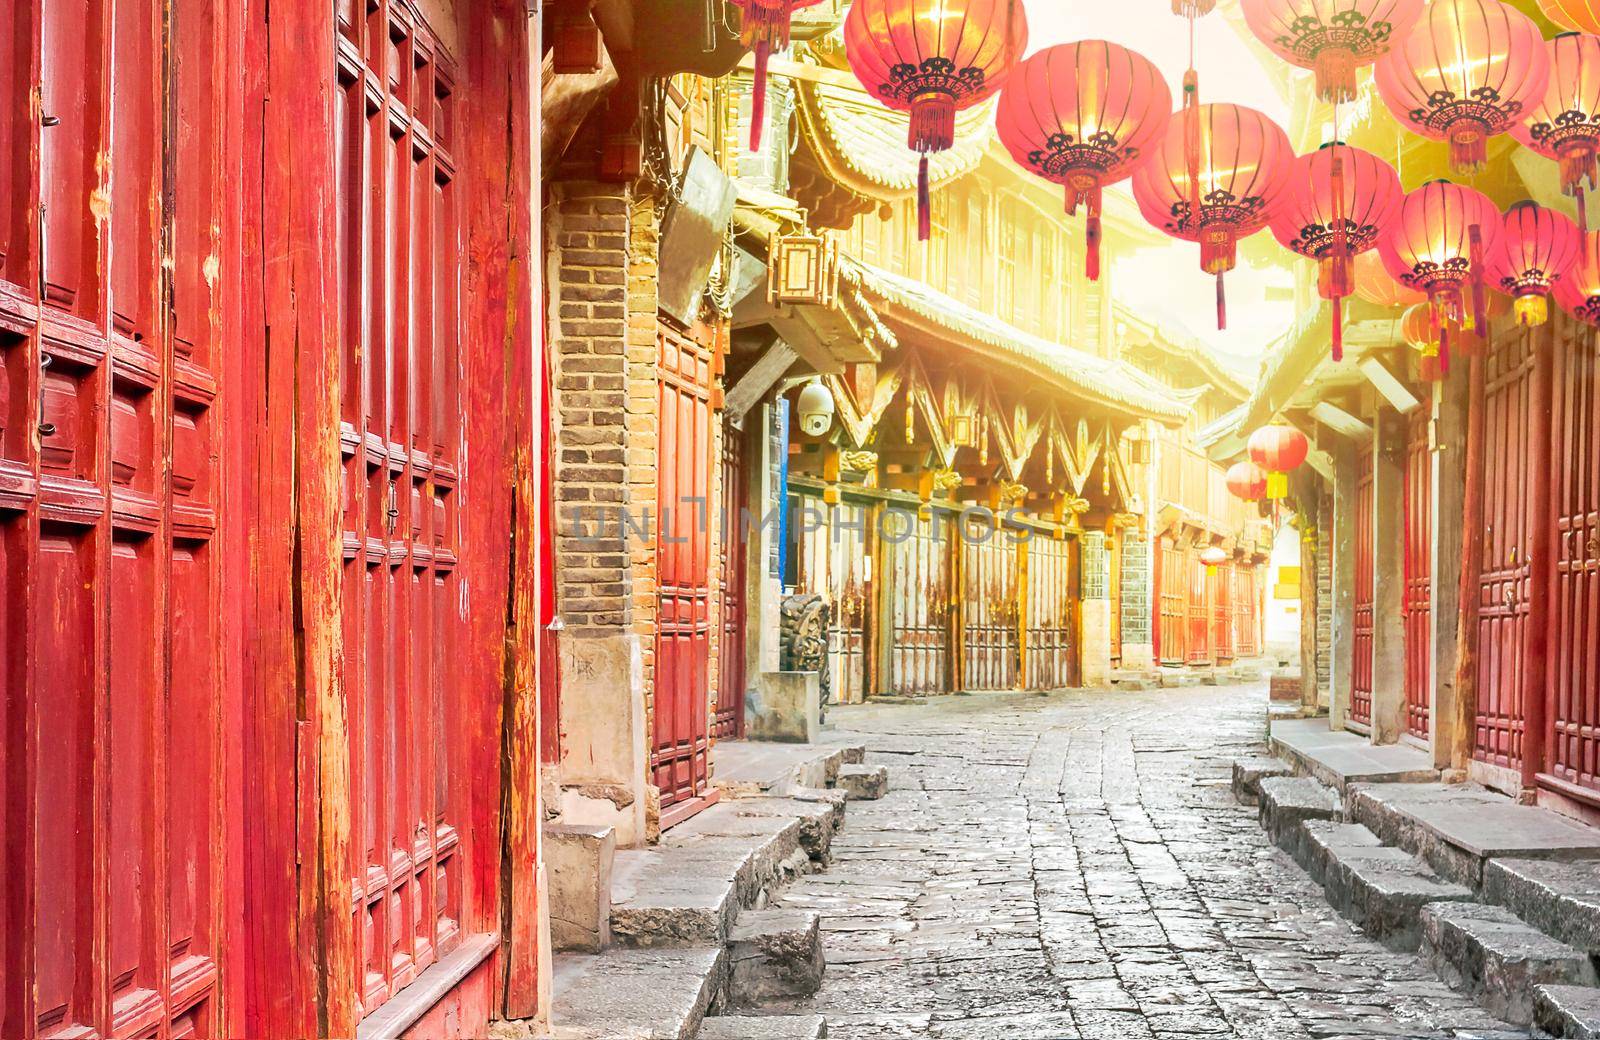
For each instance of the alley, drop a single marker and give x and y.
(1074, 865)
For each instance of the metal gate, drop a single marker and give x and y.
(989, 605)
(733, 546)
(1199, 610)
(1361, 664)
(919, 580)
(1575, 642)
(681, 734)
(1505, 583)
(835, 563)
(1416, 605)
(1220, 590)
(1052, 572)
(110, 498)
(1172, 626)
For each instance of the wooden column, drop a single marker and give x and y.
(1449, 477)
(1462, 711)
(1541, 560)
(1388, 582)
(1343, 547)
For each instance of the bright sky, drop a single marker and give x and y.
(1166, 282)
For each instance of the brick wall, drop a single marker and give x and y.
(639, 399)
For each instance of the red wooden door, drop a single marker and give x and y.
(1199, 610)
(1503, 600)
(989, 606)
(1361, 663)
(919, 580)
(399, 271)
(682, 732)
(1575, 642)
(1220, 586)
(1418, 574)
(1172, 628)
(729, 720)
(110, 658)
(1246, 612)
(1052, 655)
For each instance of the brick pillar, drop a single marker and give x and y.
(603, 658)
(1324, 579)
(1389, 436)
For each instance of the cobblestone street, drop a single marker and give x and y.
(1074, 865)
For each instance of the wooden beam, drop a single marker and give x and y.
(1388, 385)
(1541, 563)
(1340, 421)
(776, 359)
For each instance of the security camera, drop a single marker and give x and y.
(816, 409)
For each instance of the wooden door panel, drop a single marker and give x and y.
(919, 559)
(989, 606)
(1361, 666)
(1416, 606)
(1198, 642)
(733, 546)
(1574, 752)
(1173, 632)
(74, 100)
(1219, 587)
(1052, 650)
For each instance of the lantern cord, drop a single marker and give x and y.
(758, 96)
(1222, 301)
(924, 201)
(1583, 210)
(1191, 123)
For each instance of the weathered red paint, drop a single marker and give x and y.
(1198, 643)
(1172, 571)
(1417, 595)
(1220, 590)
(1246, 611)
(1361, 643)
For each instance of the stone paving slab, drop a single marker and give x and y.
(1339, 758)
(1568, 1011)
(1456, 827)
(634, 994)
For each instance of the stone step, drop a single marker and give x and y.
(764, 1027)
(1248, 774)
(1287, 801)
(863, 783)
(578, 862)
(635, 994)
(1567, 1011)
(1380, 888)
(687, 890)
(820, 814)
(1497, 958)
(774, 955)
(1561, 899)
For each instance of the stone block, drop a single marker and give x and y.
(764, 1027)
(864, 783)
(785, 707)
(1569, 1011)
(774, 955)
(626, 994)
(853, 755)
(1490, 953)
(578, 869)
(1287, 801)
(1560, 899)
(1248, 774)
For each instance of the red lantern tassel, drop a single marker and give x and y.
(924, 202)
(1338, 329)
(1480, 301)
(758, 97)
(1085, 188)
(1222, 301)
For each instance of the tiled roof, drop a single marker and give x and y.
(1086, 375)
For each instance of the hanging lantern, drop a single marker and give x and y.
(1579, 292)
(1376, 286)
(1243, 166)
(1193, 8)
(1338, 203)
(1537, 247)
(1416, 328)
(1565, 126)
(1084, 115)
(1466, 72)
(1440, 246)
(1213, 557)
(932, 58)
(1333, 38)
(1577, 15)
(1247, 481)
(1279, 450)
(765, 30)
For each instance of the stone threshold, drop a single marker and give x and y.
(1338, 759)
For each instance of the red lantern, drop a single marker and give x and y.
(1331, 37)
(1213, 557)
(1416, 328)
(1279, 450)
(1537, 247)
(1440, 246)
(1565, 126)
(765, 29)
(1578, 15)
(1374, 284)
(1339, 202)
(1244, 163)
(1579, 292)
(932, 58)
(1084, 115)
(1247, 481)
(1466, 72)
